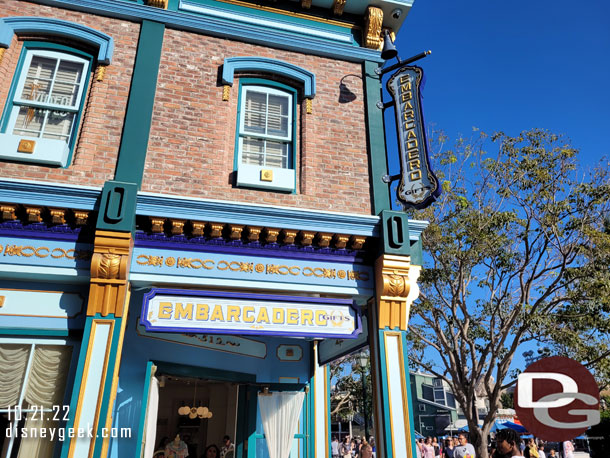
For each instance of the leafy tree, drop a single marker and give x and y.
(506, 400)
(517, 250)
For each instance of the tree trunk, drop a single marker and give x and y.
(479, 441)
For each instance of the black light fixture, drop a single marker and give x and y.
(389, 51)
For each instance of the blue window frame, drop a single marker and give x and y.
(45, 103)
(266, 135)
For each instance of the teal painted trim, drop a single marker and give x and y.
(378, 165)
(310, 424)
(164, 367)
(107, 388)
(36, 332)
(395, 233)
(252, 406)
(240, 426)
(51, 195)
(417, 256)
(118, 207)
(409, 398)
(264, 64)
(256, 215)
(55, 27)
(220, 27)
(41, 45)
(138, 117)
(328, 418)
(385, 407)
(78, 379)
(144, 407)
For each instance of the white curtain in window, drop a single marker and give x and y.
(152, 409)
(280, 412)
(47, 379)
(13, 362)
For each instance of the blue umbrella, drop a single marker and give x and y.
(418, 436)
(515, 426)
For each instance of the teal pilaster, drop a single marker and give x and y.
(395, 233)
(378, 166)
(103, 353)
(136, 129)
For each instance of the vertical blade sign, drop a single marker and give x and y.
(418, 186)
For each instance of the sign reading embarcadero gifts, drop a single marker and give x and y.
(187, 311)
(418, 186)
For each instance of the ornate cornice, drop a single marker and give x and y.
(109, 273)
(396, 287)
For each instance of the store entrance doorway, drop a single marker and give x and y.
(201, 412)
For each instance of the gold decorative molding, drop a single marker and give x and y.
(372, 27)
(396, 289)
(338, 6)
(8, 212)
(58, 215)
(3, 50)
(305, 4)
(33, 214)
(216, 230)
(270, 235)
(253, 232)
(357, 242)
(324, 239)
(340, 241)
(266, 175)
(198, 228)
(26, 146)
(158, 3)
(306, 237)
(309, 106)
(100, 72)
(177, 226)
(109, 272)
(226, 92)
(289, 236)
(157, 224)
(80, 217)
(235, 231)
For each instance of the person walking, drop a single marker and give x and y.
(334, 447)
(345, 450)
(464, 449)
(428, 448)
(568, 449)
(448, 448)
(507, 443)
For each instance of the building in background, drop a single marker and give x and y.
(434, 408)
(194, 221)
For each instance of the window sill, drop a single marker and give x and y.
(254, 176)
(45, 151)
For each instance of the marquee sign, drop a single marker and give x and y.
(418, 186)
(211, 312)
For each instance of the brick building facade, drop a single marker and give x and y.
(194, 223)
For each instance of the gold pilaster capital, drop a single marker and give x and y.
(58, 215)
(338, 6)
(177, 226)
(109, 273)
(253, 233)
(80, 217)
(270, 234)
(157, 224)
(198, 228)
(100, 72)
(289, 236)
(216, 230)
(235, 231)
(306, 237)
(372, 27)
(33, 214)
(396, 289)
(309, 106)
(340, 240)
(324, 239)
(8, 211)
(226, 92)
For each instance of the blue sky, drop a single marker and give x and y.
(513, 66)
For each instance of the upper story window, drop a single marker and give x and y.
(48, 95)
(266, 140)
(45, 102)
(265, 131)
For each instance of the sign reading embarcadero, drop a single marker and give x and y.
(236, 313)
(418, 186)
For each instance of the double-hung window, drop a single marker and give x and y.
(266, 141)
(41, 118)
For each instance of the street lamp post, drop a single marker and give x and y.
(363, 362)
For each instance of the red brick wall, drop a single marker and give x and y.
(192, 141)
(95, 154)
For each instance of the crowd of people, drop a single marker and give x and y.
(506, 444)
(353, 447)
